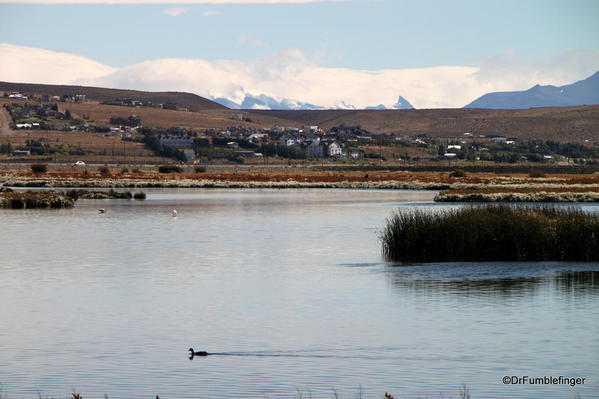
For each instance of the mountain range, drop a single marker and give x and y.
(583, 92)
(263, 101)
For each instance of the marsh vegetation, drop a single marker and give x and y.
(492, 233)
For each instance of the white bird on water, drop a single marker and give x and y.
(174, 213)
(102, 210)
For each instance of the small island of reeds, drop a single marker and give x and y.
(492, 233)
(56, 200)
(35, 200)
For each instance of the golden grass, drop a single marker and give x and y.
(98, 143)
(153, 117)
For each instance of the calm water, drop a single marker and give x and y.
(290, 288)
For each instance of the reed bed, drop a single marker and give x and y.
(492, 233)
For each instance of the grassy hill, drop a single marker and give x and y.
(191, 101)
(557, 123)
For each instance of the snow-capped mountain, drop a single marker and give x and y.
(401, 103)
(263, 101)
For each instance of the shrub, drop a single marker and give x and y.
(170, 169)
(200, 169)
(457, 173)
(139, 196)
(124, 170)
(240, 159)
(39, 168)
(492, 233)
(536, 173)
(104, 170)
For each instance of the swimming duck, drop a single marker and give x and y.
(200, 353)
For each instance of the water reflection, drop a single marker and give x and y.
(522, 281)
(578, 283)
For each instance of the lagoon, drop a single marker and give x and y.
(290, 287)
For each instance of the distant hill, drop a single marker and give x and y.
(190, 101)
(561, 124)
(583, 92)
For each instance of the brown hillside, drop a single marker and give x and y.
(561, 123)
(191, 101)
(152, 117)
(100, 114)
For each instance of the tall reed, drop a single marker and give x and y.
(492, 233)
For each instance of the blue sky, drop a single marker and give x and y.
(435, 53)
(358, 34)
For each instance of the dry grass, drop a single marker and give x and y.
(152, 117)
(98, 143)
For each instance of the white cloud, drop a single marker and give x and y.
(33, 65)
(176, 11)
(557, 69)
(297, 75)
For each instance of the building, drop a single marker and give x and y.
(189, 153)
(334, 150)
(355, 153)
(290, 139)
(310, 129)
(176, 142)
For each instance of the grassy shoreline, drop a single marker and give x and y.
(532, 197)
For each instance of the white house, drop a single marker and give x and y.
(334, 150)
(290, 140)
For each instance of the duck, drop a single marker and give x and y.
(102, 210)
(192, 353)
(174, 213)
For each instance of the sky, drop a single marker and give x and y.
(435, 53)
